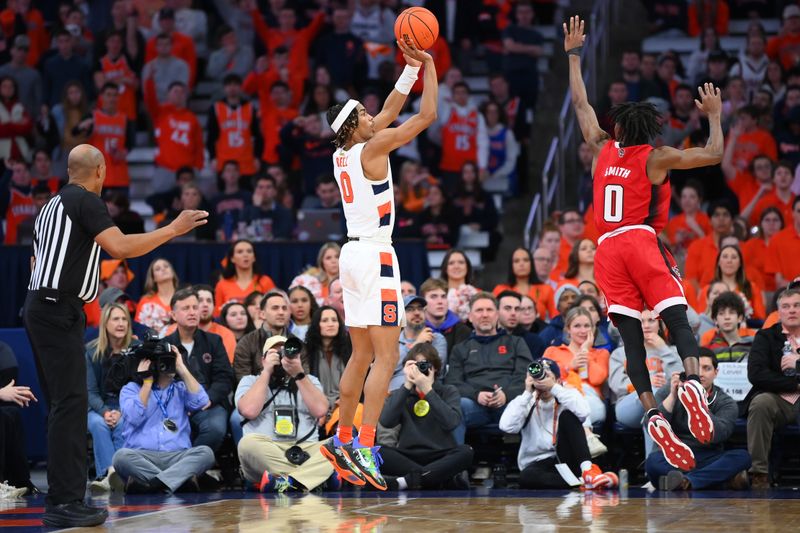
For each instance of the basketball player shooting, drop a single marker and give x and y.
(632, 267)
(368, 267)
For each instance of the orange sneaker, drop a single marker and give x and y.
(596, 479)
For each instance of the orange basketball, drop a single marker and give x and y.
(419, 26)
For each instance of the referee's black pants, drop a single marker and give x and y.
(55, 331)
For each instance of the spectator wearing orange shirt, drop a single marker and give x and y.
(522, 279)
(755, 248)
(160, 284)
(777, 194)
(715, 14)
(580, 264)
(702, 254)
(746, 141)
(441, 58)
(731, 271)
(115, 67)
(581, 357)
(179, 138)
(240, 276)
(18, 15)
(783, 250)
(298, 42)
(414, 184)
(571, 226)
(692, 224)
(785, 46)
(233, 132)
(112, 133)
(182, 45)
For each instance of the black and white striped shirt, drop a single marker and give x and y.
(66, 256)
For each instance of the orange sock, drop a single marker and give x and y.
(345, 434)
(366, 437)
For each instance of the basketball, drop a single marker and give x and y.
(419, 25)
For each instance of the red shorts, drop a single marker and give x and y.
(636, 272)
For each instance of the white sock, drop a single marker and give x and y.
(586, 465)
(401, 483)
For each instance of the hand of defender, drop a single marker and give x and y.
(710, 99)
(573, 36)
(189, 219)
(414, 57)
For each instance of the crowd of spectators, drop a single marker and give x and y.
(125, 75)
(238, 377)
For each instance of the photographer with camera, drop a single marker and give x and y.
(206, 358)
(157, 455)
(280, 407)
(426, 456)
(550, 417)
(105, 418)
(417, 332)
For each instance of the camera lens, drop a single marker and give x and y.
(536, 370)
(424, 367)
(292, 348)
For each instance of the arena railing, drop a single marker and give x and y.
(563, 145)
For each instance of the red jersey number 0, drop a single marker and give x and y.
(612, 203)
(347, 188)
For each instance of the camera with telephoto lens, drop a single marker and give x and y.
(291, 349)
(125, 365)
(424, 367)
(537, 370)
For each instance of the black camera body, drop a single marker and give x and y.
(124, 366)
(425, 367)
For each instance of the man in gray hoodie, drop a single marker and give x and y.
(488, 368)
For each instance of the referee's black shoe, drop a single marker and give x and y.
(73, 514)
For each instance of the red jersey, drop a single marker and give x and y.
(114, 71)
(109, 134)
(179, 137)
(20, 207)
(459, 140)
(623, 194)
(235, 141)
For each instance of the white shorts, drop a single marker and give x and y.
(370, 277)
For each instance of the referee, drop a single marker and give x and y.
(68, 235)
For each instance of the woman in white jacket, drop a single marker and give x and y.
(549, 417)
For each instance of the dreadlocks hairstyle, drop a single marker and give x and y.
(639, 122)
(350, 125)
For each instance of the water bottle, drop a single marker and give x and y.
(787, 350)
(623, 479)
(584, 372)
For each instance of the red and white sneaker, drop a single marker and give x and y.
(675, 452)
(694, 399)
(595, 479)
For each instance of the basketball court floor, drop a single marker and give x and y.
(480, 510)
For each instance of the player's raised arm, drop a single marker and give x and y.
(593, 134)
(666, 158)
(392, 138)
(397, 98)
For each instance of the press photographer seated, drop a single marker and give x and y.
(280, 407)
(426, 456)
(549, 417)
(157, 454)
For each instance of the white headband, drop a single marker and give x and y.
(343, 114)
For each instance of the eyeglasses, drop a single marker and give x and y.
(415, 309)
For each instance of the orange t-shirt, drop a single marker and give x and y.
(227, 290)
(701, 260)
(785, 48)
(109, 133)
(751, 144)
(590, 230)
(690, 292)
(297, 41)
(771, 320)
(152, 312)
(597, 366)
(228, 338)
(182, 48)
(679, 233)
(440, 52)
(542, 294)
(272, 120)
(783, 253)
(772, 200)
(745, 186)
(179, 137)
(113, 71)
(754, 251)
(563, 259)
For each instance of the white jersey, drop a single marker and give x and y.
(368, 205)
